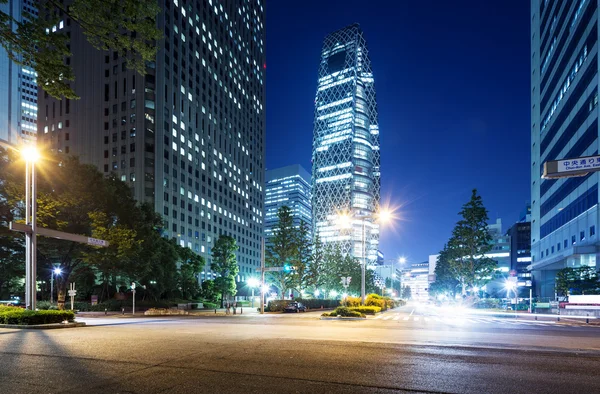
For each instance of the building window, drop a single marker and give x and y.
(581, 235)
(558, 247)
(573, 240)
(592, 231)
(565, 244)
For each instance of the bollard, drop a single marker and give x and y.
(587, 319)
(215, 311)
(123, 310)
(558, 314)
(105, 311)
(241, 310)
(535, 317)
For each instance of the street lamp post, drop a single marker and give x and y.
(253, 282)
(31, 155)
(56, 271)
(133, 290)
(382, 216)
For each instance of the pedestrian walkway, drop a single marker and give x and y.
(460, 321)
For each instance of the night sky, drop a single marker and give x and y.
(452, 82)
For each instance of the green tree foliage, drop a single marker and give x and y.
(406, 293)
(224, 263)
(125, 26)
(302, 275)
(577, 281)
(282, 250)
(445, 281)
(315, 270)
(464, 255)
(338, 265)
(190, 266)
(209, 291)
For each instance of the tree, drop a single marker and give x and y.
(124, 26)
(445, 282)
(190, 266)
(301, 275)
(282, 249)
(406, 292)
(314, 271)
(224, 263)
(467, 247)
(579, 280)
(209, 290)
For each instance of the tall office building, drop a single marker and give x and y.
(564, 124)
(18, 88)
(188, 137)
(287, 186)
(346, 144)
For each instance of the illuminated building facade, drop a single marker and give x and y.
(346, 174)
(287, 186)
(187, 137)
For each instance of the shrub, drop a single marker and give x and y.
(27, 317)
(46, 305)
(277, 305)
(210, 305)
(353, 301)
(375, 301)
(315, 303)
(345, 312)
(368, 310)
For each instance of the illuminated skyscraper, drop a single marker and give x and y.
(187, 137)
(346, 143)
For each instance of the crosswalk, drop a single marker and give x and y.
(457, 320)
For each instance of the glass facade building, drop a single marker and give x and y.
(345, 153)
(18, 86)
(189, 136)
(287, 186)
(564, 124)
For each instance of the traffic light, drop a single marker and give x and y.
(287, 268)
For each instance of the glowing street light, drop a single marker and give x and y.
(253, 283)
(55, 271)
(345, 221)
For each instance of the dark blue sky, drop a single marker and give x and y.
(452, 82)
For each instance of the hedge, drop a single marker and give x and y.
(345, 312)
(27, 317)
(368, 310)
(315, 303)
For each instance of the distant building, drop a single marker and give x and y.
(564, 125)
(287, 186)
(416, 276)
(18, 87)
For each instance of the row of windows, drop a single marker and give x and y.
(566, 244)
(584, 202)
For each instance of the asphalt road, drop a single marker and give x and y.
(301, 354)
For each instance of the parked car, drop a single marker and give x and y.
(295, 307)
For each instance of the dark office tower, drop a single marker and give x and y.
(564, 124)
(189, 136)
(346, 144)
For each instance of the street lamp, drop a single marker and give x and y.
(55, 271)
(30, 154)
(253, 283)
(133, 290)
(344, 221)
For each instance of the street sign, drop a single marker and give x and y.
(46, 232)
(579, 166)
(512, 279)
(267, 269)
(72, 293)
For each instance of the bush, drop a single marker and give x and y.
(353, 301)
(210, 305)
(375, 301)
(27, 317)
(277, 305)
(345, 312)
(315, 303)
(368, 310)
(46, 305)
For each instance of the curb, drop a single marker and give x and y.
(343, 318)
(43, 326)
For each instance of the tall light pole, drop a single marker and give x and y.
(381, 216)
(56, 271)
(253, 283)
(31, 155)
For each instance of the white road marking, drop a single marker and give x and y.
(426, 318)
(387, 318)
(416, 318)
(378, 317)
(397, 317)
(405, 318)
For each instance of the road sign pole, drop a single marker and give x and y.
(27, 237)
(33, 239)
